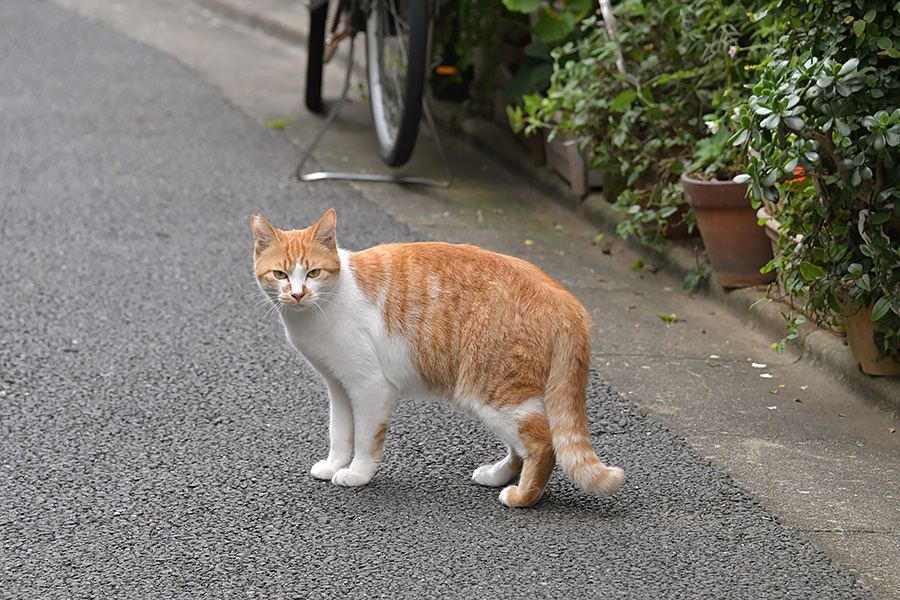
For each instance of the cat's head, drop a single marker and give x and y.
(299, 268)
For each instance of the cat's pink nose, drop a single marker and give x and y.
(298, 297)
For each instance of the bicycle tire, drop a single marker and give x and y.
(315, 57)
(397, 33)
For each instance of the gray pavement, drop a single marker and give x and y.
(156, 432)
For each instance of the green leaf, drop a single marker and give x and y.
(280, 123)
(740, 137)
(811, 272)
(879, 218)
(842, 127)
(881, 308)
(864, 282)
(550, 28)
(848, 66)
(795, 123)
(622, 100)
(523, 6)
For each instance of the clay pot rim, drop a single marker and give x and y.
(696, 180)
(773, 224)
(735, 195)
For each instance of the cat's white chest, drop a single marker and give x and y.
(347, 340)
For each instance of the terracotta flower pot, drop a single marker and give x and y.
(735, 243)
(773, 231)
(772, 228)
(860, 329)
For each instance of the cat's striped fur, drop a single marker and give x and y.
(489, 333)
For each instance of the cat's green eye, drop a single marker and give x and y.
(314, 273)
(279, 274)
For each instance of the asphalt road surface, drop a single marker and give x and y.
(156, 430)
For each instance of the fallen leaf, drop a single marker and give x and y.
(841, 415)
(529, 242)
(765, 376)
(668, 319)
(892, 430)
(773, 391)
(280, 123)
(757, 365)
(797, 400)
(803, 387)
(771, 407)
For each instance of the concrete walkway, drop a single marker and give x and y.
(810, 439)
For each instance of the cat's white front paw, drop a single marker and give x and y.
(504, 495)
(350, 478)
(493, 475)
(323, 470)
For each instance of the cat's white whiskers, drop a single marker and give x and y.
(276, 309)
(263, 305)
(326, 298)
(262, 302)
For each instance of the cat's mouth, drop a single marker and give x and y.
(297, 305)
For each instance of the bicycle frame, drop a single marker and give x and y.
(349, 18)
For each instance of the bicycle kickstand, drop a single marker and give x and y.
(376, 177)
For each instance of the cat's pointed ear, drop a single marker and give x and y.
(324, 231)
(263, 233)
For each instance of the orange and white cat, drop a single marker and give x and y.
(491, 334)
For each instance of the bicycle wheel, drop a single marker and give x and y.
(315, 56)
(396, 59)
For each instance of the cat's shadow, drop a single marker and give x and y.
(448, 494)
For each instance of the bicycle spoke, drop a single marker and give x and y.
(395, 98)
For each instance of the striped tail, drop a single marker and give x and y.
(567, 417)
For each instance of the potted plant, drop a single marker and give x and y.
(591, 101)
(552, 25)
(643, 90)
(736, 246)
(827, 103)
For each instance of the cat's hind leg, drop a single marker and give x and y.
(534, 434)
(499, 473)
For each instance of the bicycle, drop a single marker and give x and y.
(397, 43)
